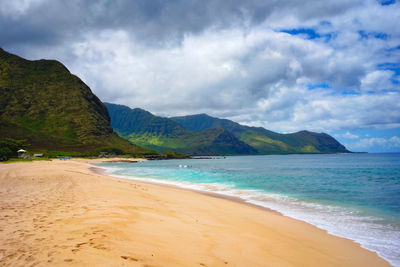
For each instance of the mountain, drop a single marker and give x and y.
(163, 134)
(205, 135)
(265, 141)
(42, 102)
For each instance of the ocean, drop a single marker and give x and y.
(356, 196)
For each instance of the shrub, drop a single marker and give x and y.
(174, 155)
(9, 148)
(5, 153)
(111, 150)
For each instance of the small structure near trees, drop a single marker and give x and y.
(11, 148)
(103, 154)
(21, 153)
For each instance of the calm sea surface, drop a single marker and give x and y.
(356, 196)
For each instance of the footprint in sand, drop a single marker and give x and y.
(51, 253)
(80, 244)
(100, 246)
(28, 236)
(30, 258)
(129, 258)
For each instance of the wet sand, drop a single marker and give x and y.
(61, 213)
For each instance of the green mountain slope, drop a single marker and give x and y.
(42, 102)
(200, 122)
(265, 141)
(163, 134)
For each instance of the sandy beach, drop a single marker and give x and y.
(62, 213)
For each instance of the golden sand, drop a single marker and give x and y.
(60, 213)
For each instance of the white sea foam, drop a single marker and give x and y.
(340, 221)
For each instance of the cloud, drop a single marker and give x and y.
(395, 141)
(377, 80)
(261, 72)
(17, 8)
(347, 135)
(154, 22)
(225, 58)
(383, 144)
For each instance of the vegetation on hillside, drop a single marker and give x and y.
(43, 103)
(162, 134)
(205, 135)
(265, 141)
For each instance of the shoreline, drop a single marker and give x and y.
(236, 199)
(62, 213)
(101, 171)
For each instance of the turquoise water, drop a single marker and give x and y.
(356, 196)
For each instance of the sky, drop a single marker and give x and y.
(327, 66)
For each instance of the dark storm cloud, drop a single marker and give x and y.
(48, 22)
(39, 25)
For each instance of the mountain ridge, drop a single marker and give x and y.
(184, 128)
(267, 141)
(162, 134)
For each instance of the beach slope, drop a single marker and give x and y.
(62, 213)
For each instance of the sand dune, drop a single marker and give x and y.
(56, 213)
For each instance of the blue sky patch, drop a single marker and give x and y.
(312, 86)
(310, 33)
(377, 35)
(395, 67)
(353, 138)
(387, 2)
(350, 93)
